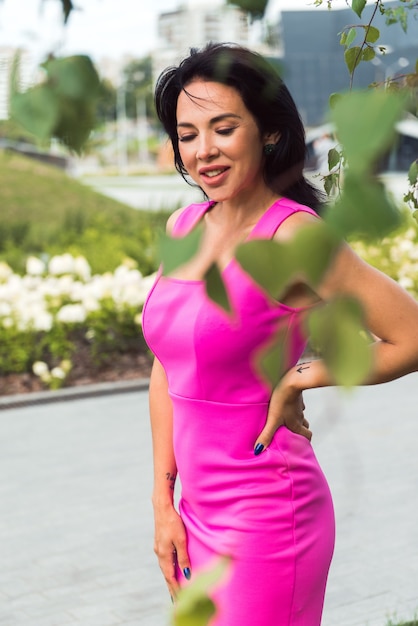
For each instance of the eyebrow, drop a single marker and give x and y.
(214, 120)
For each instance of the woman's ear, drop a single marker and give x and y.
(272, 138)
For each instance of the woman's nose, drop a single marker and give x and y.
(206, 149)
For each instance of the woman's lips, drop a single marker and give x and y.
(214, 175)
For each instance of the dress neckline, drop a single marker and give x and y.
(207, 206)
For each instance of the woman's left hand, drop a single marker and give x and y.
(285, 409)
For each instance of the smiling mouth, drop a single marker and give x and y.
(213, 173)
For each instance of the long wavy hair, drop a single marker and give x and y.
(266, 97)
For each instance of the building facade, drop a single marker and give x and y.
(194, 26)
(313, 59)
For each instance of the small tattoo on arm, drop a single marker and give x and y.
(303, 366)
(172, 479)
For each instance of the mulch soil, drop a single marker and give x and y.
(128, 366)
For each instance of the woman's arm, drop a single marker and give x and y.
(170, 536)
(391, 314)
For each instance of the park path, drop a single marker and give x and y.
(76, 521)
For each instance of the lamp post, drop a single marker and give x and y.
(122, 144)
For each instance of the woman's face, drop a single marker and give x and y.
(219, 141)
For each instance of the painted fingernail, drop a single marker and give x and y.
(258, 449)
(187, 573)
(172, 599)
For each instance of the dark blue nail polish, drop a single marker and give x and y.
(172, 599)
(187, 573)
(258, 449)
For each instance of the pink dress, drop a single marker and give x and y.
(271, 513)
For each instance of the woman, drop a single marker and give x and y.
(251, 486)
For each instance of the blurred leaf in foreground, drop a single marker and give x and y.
(193, 606)
(177, 251)
(63, 106)
(337, 331)
(275, 265)
(215, 288)
(365, 125)
(363, 209)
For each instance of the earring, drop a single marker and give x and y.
(269, 148)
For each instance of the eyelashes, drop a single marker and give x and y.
(221, 131)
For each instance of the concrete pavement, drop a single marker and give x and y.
(76, 520)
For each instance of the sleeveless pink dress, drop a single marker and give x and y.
(271, 513)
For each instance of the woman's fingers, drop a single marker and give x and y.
(183, 560)
(171, 557)
(167, 562)
(289, 414)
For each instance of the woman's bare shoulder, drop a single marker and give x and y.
(173, 219)
(293, 223)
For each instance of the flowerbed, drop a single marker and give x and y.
(58, 322)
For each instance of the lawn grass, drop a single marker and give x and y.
(45, 212)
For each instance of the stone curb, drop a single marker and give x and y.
(72, 393)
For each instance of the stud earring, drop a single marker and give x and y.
(269, 148)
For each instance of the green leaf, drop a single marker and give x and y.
(343, 38)
(365, 125)
(337, 329)
(413, 173)
(368, 54)
(37, 110)
(358, 6)
(273, 360)
(215, 288)
(255, 8)
(363, 208)
(329, 183)
(352, 57)
(372, 34)
(274, 266)
(177, 251)
(268, 263)
(75, 123)
(193, 606)
(333, 99)
(311, 251)
(333, 158)
(351, 35)
(73, 77)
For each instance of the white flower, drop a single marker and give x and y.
(82, 268)
(61, 264)
(71, 314)
(90, 303)
(138, 319)
(43, 321)
(34, 266)
(66, 365)
(5, 309)
(406, 282)
(40, 368)
(7, 322)
(5, 271)
(58, 372)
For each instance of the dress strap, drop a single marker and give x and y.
(189, 217)
(275, 215)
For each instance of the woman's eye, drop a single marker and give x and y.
(225, 131)
(187, 138)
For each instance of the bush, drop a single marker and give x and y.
(50, 310)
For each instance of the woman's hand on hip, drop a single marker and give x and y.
(285, 409)
(170, 546)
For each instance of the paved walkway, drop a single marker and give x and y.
(76, 522)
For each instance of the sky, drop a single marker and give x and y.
(100, 28)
